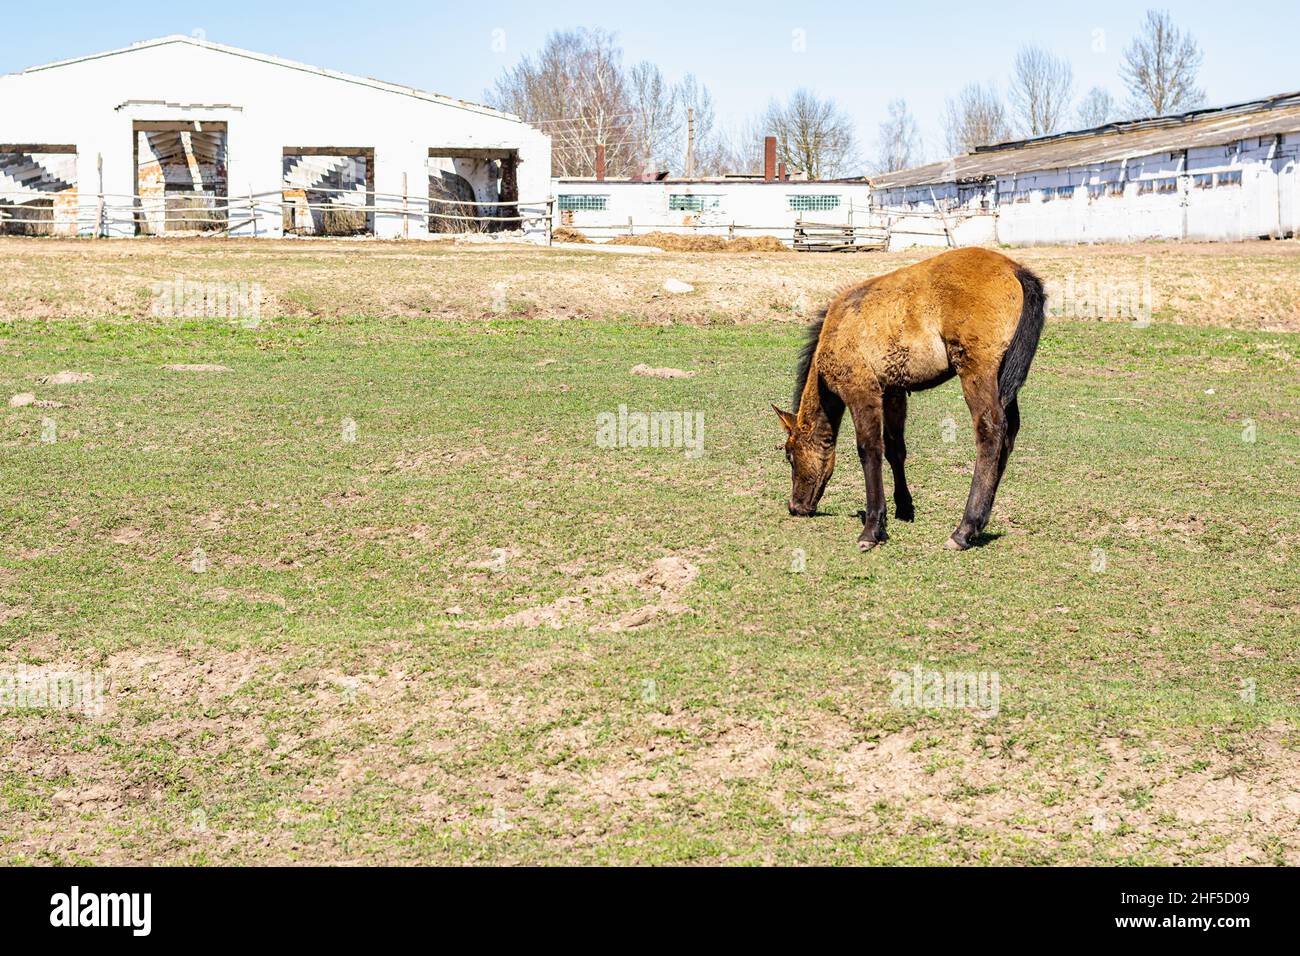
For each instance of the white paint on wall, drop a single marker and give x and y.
(602, 210)
(1241, 190)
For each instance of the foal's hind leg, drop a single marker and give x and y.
(1009, 442)
(990, 420)
(896, 451)
(867, 425)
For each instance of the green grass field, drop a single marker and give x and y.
(431, 638)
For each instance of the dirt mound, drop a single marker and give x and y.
(565, 234)
(643, 369)
(66, 378)
(665, 581)
(672, 242)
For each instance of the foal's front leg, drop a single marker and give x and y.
(867, 426)
(895, 402)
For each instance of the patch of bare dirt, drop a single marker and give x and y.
(646, 370)
(196, 368)
(66, 378)
(664, 582)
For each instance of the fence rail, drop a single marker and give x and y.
(99, 211)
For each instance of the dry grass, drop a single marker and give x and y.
(1252, 285)
(675, 242)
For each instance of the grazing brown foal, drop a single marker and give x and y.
(972, 313)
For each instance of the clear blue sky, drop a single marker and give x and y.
(862, 54)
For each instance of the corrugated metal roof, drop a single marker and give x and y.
(1111, 143)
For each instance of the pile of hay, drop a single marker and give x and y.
(35, 218)
(565, 234)
(192, 212)
(672, 242)
(341, 220)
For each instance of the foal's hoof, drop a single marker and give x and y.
(905, 512)
(868, 540)
(952, 544)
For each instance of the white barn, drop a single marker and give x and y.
(181, 135)
(1227, 173)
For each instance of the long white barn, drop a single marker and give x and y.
(1227, 173)
(181, 135)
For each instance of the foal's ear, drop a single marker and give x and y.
(787, 420)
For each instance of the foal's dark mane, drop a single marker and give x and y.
(806, 357)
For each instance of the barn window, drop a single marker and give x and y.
(1057, 192)
(813, 203)
(1203, 180)
(1146, 186)
(1229, 179)
(1115, 190)
(583, 202)
(682, 202)
(1166, 185)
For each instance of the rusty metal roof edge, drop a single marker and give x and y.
(1167, 121)
(993, 161)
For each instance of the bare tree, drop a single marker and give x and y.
(975, 117)
(575, 91)
(1160, 67)
(740, 147)
(813, 135)
(656, 116)
(1097, 108)
(1041, 84)
(900, 140)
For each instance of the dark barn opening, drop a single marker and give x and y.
(327, 190)
(473, 190)
(181, 183)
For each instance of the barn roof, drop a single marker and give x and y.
(288, 64)
(1111, 142)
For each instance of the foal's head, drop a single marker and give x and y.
(811, 454)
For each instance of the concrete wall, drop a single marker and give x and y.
(93, 103)
(747, 208)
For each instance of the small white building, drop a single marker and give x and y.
(180, 135)
(1227, 173)
(733, 207)
(797, 211)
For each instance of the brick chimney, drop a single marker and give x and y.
(600, 162)
(780, 172)
(769, 158)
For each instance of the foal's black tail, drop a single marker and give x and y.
(1024, 343)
